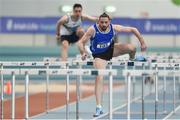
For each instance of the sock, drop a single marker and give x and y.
(99, 106)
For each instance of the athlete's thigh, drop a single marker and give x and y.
(121, 49)
(100, 63)
(65, 43)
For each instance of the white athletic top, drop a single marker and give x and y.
(70, 26)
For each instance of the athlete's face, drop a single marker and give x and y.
(104, 23)
(77, 11)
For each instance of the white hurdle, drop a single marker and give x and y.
(134, 64)
(53, 63)
(28, 72)
(67, 95)
(160, 61)
(79, 63)
(26, 94)
(47, 90)
(58, 63)
(156, 91)
(13, 96)
(36, 64)
(156, 73)
(174, 66)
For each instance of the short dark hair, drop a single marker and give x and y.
(77, 5)
(105, 15)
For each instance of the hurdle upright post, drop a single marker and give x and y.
(79, 78)
(174, 90)
(80, 83)
(2, 93)
(110, 94)
(164, 93)
(151, 85)
(156, 90)
(134, 84)
(67, 93)
(126, 67)
(179, 87)
(125, 82)
(47, 89)
(13, 96)
(143, 78)
(178, 82)
(128, 96)
(26, 95)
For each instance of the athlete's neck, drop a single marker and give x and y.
(101, 30)
(74, 18)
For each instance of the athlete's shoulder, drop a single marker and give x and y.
(64, 18)
(88, 17)
(116, 25)
(84, 16)
(91, 28)
(90, 31)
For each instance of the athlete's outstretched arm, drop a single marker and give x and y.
(88, 17)
(60, 22)
(84, 40)
(134, 30)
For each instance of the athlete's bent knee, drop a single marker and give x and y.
(80, 32)
(132, 48)
(65, 45)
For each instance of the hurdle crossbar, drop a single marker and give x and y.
(165, 64)
(74, 62)
(151, 72)
(35, 63)
(59, 71)
(67, 72)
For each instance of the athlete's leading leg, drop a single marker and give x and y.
(128, 48)
(64, 50)
(99, 64)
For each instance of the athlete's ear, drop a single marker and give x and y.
(110, 19)
(98, 21)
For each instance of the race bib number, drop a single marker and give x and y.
(103, 45)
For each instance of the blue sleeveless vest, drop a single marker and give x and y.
(101, 41)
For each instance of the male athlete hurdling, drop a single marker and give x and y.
(103, 49)
(69, 28)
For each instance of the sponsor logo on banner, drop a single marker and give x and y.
(47, 25)
(158, 27)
